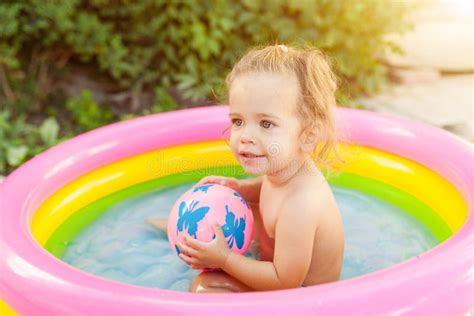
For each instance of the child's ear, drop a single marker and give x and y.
(308, 140)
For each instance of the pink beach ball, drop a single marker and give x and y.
(195, 212)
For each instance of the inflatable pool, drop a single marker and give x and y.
(425, 171)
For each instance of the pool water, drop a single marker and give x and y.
(121, 247)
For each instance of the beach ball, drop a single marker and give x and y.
(195, 212)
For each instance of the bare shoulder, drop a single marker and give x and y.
(302, 201)
(311, 197)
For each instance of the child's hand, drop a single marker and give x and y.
(232, 183)
(205, 255)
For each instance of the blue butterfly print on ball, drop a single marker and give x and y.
(203, 188)
(189, 217)
(234, 229)
(242, 199)
(177, 250)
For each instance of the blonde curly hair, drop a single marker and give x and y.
(318, 83)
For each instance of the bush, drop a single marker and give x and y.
(177, 51)
(191, 44)
(86, 113)
(21, 140)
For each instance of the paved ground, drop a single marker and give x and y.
(446, 102)
(441, 42)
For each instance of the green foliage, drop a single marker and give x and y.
(163, 101)
(22, 140)
(157, 46)
(87, 114)
(192, 44)
(49, 131)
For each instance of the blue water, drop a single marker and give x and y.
(121, 247)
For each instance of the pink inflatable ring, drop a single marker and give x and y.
(34, 282)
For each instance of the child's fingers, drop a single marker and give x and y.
(233, 183)
(189, 260)
(194, 243)
(230, 182)
(198, 266)
(202, 181)
(218, 231)
(208, 179)
(187, 250)
(227, 181)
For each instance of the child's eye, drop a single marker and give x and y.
(237, 122)
(266, 124)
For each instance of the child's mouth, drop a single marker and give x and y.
(250, 159)
(248, 155)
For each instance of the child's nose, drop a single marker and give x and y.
(247, 139)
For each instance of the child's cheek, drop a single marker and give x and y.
(233, 146)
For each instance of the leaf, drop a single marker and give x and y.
(186, 81)
(16, 155)
(49, 131)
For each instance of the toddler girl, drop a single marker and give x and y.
(281, 103)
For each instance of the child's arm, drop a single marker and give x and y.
(294, 237)
(250, 189)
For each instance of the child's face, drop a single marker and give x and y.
(265, 133)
